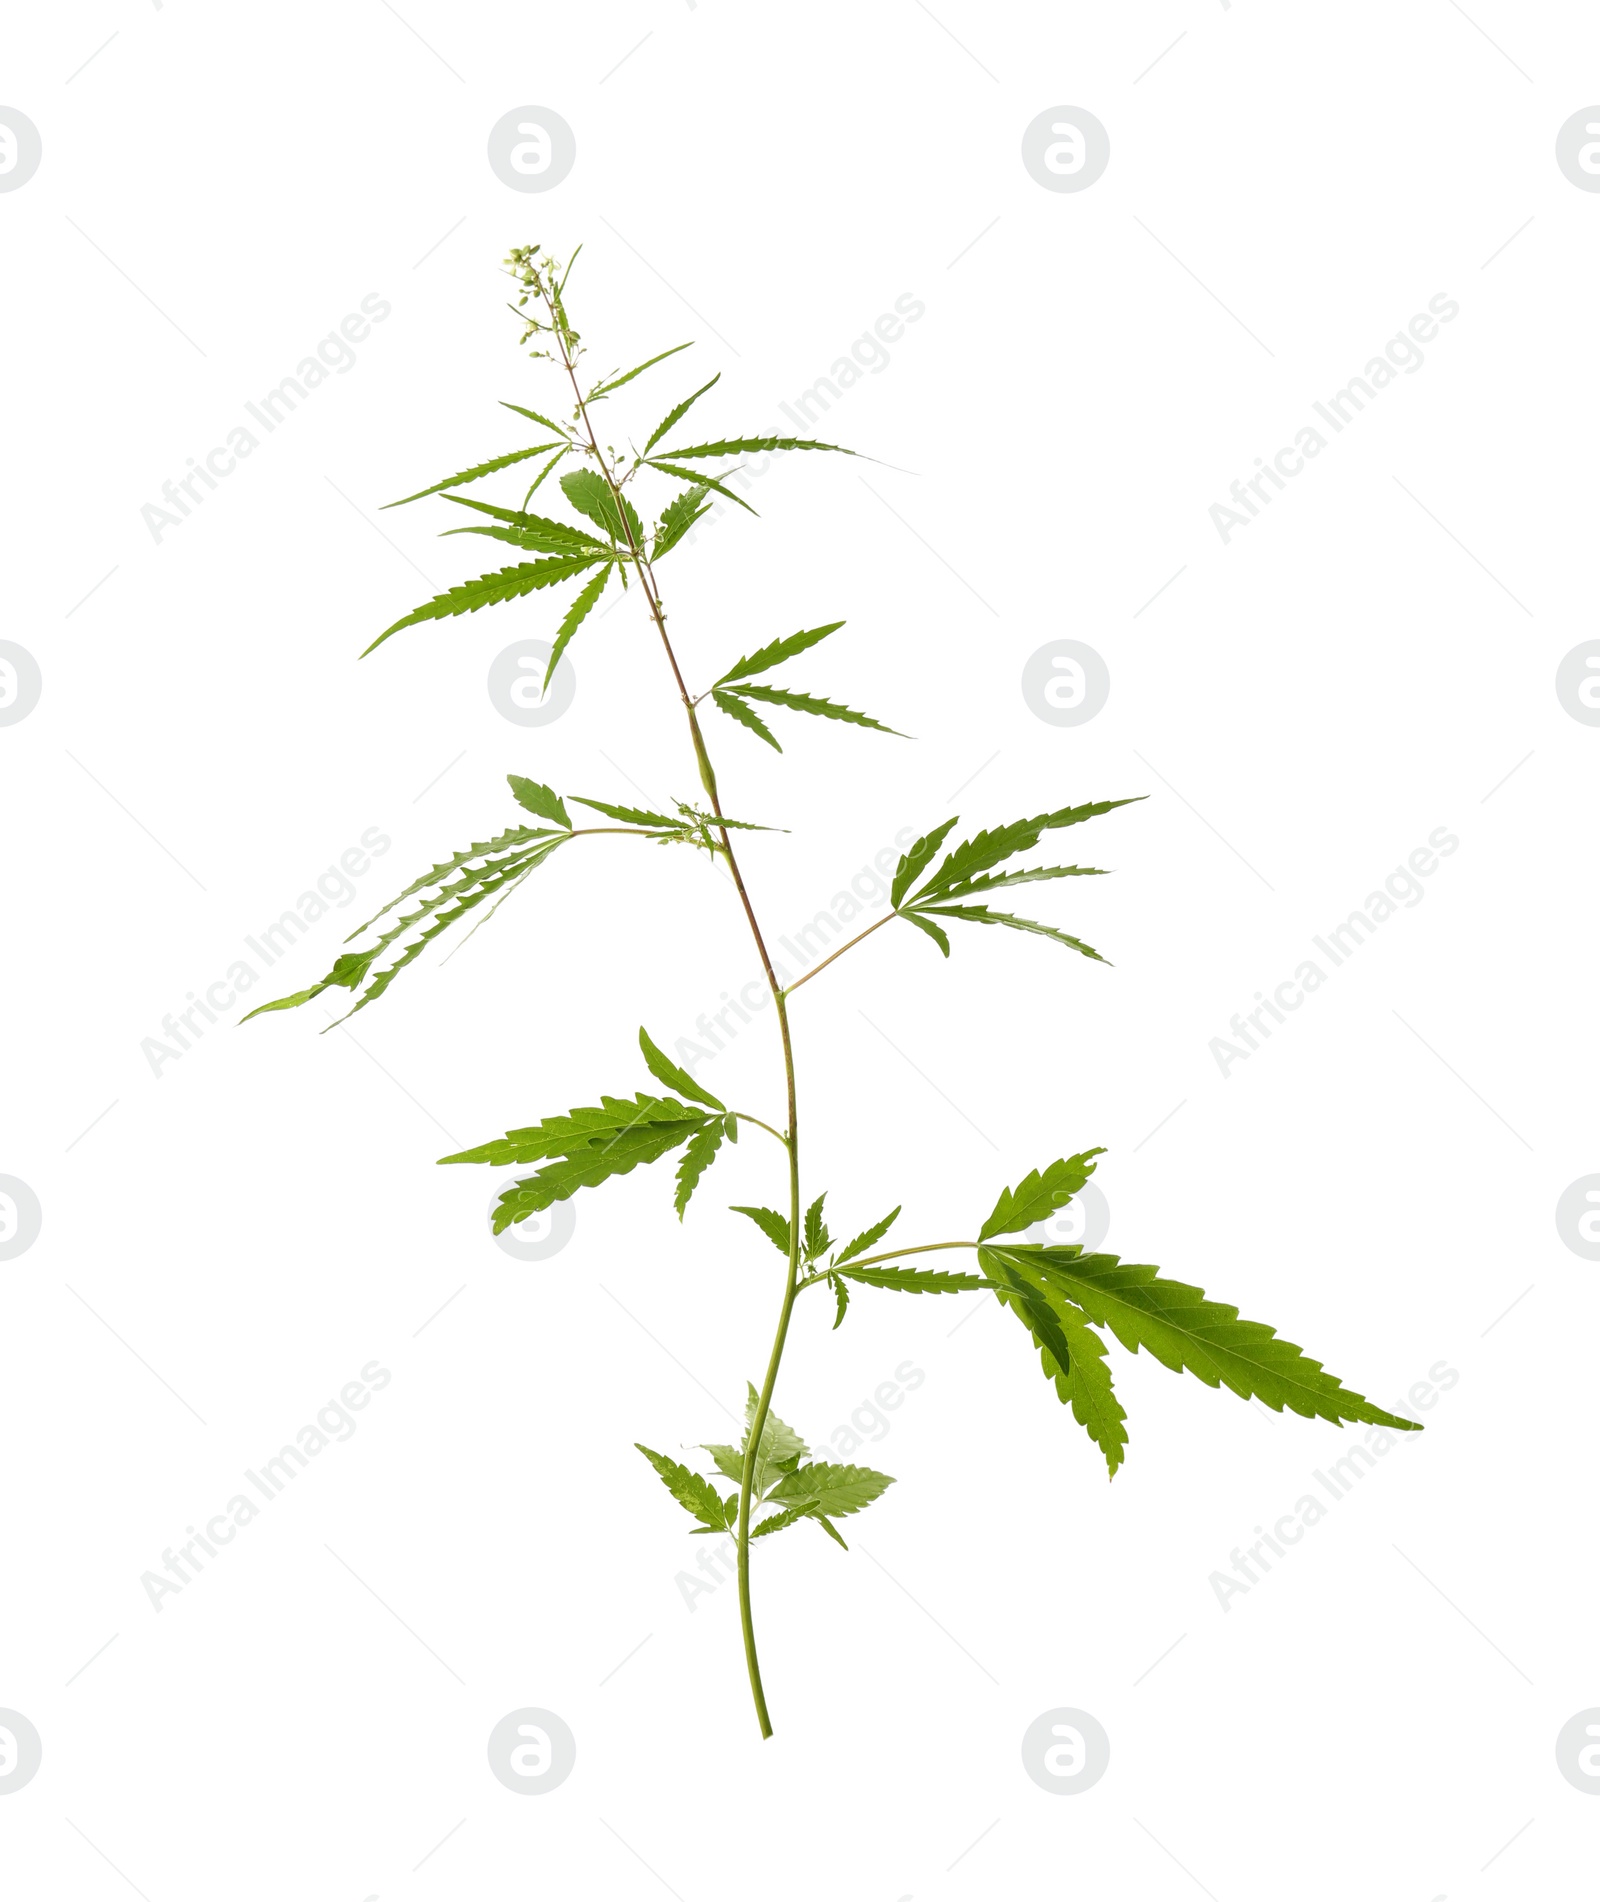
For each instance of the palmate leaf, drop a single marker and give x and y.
(583, 1149)
(676, 415)
(746, 716)
(752, 445)
(1071, 1352)
(677, 518)
(985, 850)
(808, 703)
(1039, 1195)
(473, 474)
(776, 652)
(701, 481)
(697, 1496)
(1189, 1333)
(505, 584)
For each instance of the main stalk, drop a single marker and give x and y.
(646, 576)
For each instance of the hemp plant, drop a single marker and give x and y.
(1066, 1299)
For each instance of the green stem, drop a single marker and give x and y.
(893, 1254)
(646, 574)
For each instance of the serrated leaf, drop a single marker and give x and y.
(664, 1070)
(538, 799)
(746, 716)
(729, 1461)
(1189, 1333)
(703, 481)
(572, 620)
(508, 840)
(675, 416)
(446, 907)
(985, 850)
(697, 1159)
(591, 495)
(697, 1496)
(809, 703)
(982, 915)
(561, 1179)
(837, 1491)
(505, 584)
(866, 1238)
(1071, 1352)
(616, 383)
(533, 416)
(1039, 1195)
(548, 469)
(780, 1520)
(677, 518)
(933, 930)
(841, 1299)
(629, 815)
(917, 1280)
(773, 1225)
(474, 473)
(780, 1450)
(543, 532)
(753, 445)
(816, 1233)
(994, 881)
(913, 863)
(580, 1130)
(776, 652)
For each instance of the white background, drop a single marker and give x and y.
(232, 1240)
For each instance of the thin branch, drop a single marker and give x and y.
(878, 926)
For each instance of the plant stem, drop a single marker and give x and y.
(647, 582)
(893, 1254)
(839, 953)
